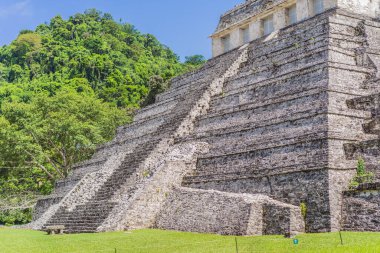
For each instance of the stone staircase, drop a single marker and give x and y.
(146, 122)
(123, 165)
(98, 208)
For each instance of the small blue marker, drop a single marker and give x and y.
(295, 241)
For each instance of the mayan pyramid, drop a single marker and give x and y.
(263, 139)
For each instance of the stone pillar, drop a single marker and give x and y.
(304, 8)
(217, 47)
(245, 33)
(279, 19)
(235, 38)
(256, 30)
(328, 4)
(339, 181)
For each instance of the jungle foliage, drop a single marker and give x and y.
(64, 89)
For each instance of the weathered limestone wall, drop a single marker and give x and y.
(309, 187)
(268, 132)
(361, 208)
(228, 213)
(351, 58)
(281, 125)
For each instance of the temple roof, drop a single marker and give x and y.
(244, 11)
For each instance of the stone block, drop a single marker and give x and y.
(228, 213)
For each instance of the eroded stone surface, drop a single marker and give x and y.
(361, 208)
(211, 211)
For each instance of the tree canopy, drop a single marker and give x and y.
(64, 89)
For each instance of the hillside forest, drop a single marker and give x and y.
(64, 89)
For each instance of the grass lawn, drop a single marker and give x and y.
(20, 241)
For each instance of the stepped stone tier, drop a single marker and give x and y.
(240, 145)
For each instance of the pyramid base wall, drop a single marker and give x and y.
(309, 187)
(361, 209)
(228, 213)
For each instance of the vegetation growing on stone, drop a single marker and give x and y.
(303, 207)
(64, 88)
(362, 175)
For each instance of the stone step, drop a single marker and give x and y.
(212, 68)
(92, 219)
(256, 117)
(118, 144)
(84, 231)
(254, 132)
(180, 92)
(255, 102)
(159, 108)
(86, 217)
(248, 173)
(136, 128)
(141, 127)
(86, 211)
(248, 90)
(198, 82)
(62, 190)
(90, 162)
(277, 66)
(45, 202)
(280, 134)
(272, 158)
(127, 168)
(242, 144)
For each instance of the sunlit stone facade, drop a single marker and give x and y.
(257, 18)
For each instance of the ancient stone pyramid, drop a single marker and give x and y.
(239, 145)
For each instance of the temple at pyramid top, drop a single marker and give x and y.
(257, 18)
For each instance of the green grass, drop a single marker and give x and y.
(156, 241)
